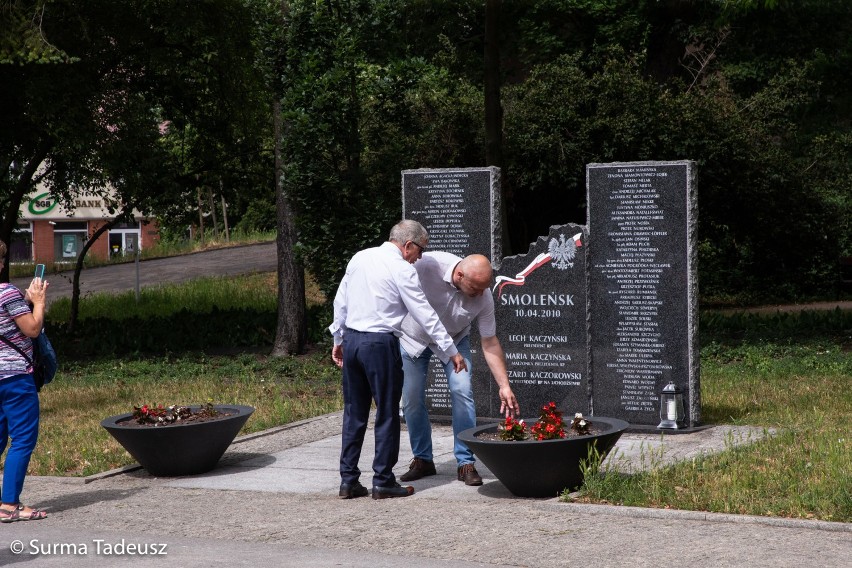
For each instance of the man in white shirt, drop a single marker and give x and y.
(455, 288)
(380, 288)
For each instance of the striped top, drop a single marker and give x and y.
(13, 305)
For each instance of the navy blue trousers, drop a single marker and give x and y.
(372, 371)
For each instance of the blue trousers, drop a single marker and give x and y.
(19, 416)
(372, 371)
(416, 370)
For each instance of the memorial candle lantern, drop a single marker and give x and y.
(671, 407)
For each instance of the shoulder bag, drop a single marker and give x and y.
(44, 362)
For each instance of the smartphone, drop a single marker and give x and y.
(39, 271)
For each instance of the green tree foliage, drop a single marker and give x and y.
(126, 84)
(756, 91)
(351, 125)
(320, 142)
(137, 79)
(747, 89)
(753, 197)
(22, 37)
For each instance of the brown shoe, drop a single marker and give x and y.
(418, 468)
(469, 475)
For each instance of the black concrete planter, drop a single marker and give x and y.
(532, 468)
(185, 448)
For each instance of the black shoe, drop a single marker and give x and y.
(418, 468)
(469, 475)
(395, 490)
(352, 490)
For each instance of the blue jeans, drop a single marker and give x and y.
(414, 403)
(19, 415)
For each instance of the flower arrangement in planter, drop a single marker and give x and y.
(550, 426)
(545, 459)
(580, 425)
(162, 416)
(178, 440)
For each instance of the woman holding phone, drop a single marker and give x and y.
(19, 408)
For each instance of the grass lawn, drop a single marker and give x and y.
(799, 389)
(72, 442)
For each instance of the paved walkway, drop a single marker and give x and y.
(273, 502)
(230, 261)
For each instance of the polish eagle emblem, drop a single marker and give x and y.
(560, 252)
(563, 251)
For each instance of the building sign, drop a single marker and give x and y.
(44, 206)
(41, 204)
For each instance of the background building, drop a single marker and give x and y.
(49, 233)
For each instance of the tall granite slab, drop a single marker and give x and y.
(460, 208)
(643, 288)
(541, 308)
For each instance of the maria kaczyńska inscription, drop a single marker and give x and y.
(642, 278)
(540, 302)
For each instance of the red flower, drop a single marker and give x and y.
(550, 424)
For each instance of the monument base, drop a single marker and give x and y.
(649, 429)
(440, 419)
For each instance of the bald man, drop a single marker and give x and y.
(457, 288)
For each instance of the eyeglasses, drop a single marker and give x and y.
(420, 251)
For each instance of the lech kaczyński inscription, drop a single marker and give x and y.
(643, 306)
(540, 302)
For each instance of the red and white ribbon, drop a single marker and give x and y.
(519, 279)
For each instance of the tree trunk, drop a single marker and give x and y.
(213, 212)
(78, 268)
(224, 213)
(493, 108)
(200, 216)
(292, 331)
(494, 112)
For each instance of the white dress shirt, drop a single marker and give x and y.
(455, 309)
(380, 288)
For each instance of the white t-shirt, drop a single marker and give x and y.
(455, 309)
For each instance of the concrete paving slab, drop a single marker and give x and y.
(313, 466)
(640, 452)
